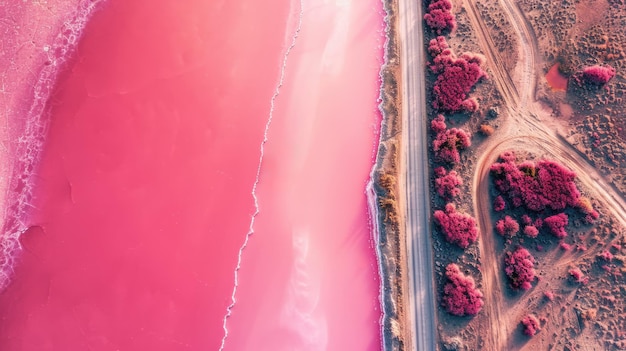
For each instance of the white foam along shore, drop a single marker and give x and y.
(26, 141)
(373, 199)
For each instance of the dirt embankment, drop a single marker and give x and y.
(386, 184)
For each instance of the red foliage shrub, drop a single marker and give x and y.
(439, 16)
(507, 226)
(531, 231)
(438, 124)
(498, 204)
(460, 296)
(455, 77)
(556, 224)
(527, 220)
(606, 255)
(447, 184)
(565, 246)
(531, 325)
(470, 105)
(546, 184)
(598, 75)
(519, 267)
(437, 46)
(578, 276)
(458, 228)
(440, 172)
(447, 144)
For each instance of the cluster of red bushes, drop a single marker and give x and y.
(460, 296)
(531, 325)
(458, 228)
(519, 266)
(448, 142)
(455, 77)
(598, 75)
(556, 224)
(439, 16)
(447, 183)
(546, 184)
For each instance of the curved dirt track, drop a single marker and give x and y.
(522, 129)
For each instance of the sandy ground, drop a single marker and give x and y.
(388, 182)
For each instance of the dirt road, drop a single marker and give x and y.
(527, 128)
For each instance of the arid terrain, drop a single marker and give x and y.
(578, 294)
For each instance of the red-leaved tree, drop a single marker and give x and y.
(556, 224)
(531, 231)
(439, 16)
(455, 77)
(458, 228)
(447, 183)
(447, 144)
(438, 46)
(519, 266)
(531, 325)
(498, 203)
(598, 75)
(438, 124)
(507, 226)
(460, 296)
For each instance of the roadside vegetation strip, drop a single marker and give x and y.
(453, 79)
(384, 196)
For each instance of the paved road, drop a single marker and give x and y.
(420, 270)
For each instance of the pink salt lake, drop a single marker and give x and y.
(143, 195)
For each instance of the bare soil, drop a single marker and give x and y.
(588, 131)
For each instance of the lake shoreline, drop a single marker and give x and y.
(387, 180)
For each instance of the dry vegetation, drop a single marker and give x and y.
(576, 302)
(500, 31)
(584, 278)
(578, 34)
(391, 241)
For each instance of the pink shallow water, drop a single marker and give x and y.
(555, 79)
(143, 193)
(144, 187)
(309, 277)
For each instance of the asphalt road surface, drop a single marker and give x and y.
(421, 287)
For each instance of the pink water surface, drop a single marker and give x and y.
(555, 79)
(309, 278)
(144, 190)
(143, 194)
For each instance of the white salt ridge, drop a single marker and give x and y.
(233, 297)
(30, 143)
(372, 199)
